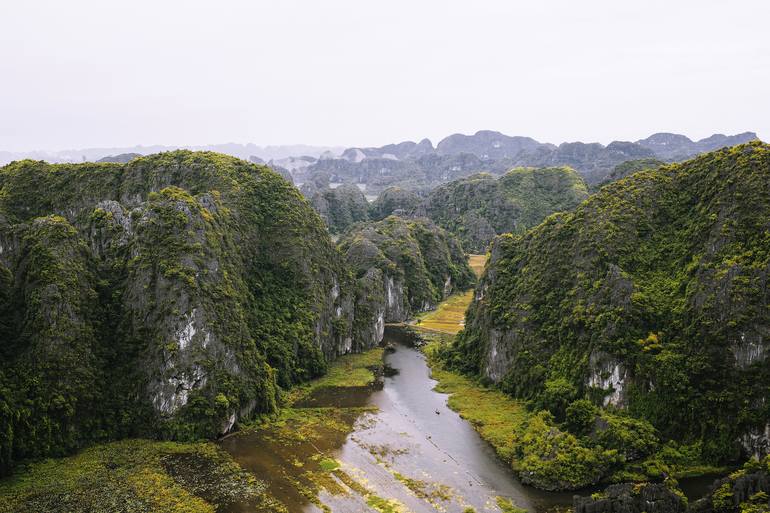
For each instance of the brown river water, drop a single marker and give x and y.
(412, 451)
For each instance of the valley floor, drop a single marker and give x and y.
(134, 476)
(449, 317)
(355, 440)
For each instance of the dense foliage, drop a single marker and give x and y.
(393, 200)
(423, 263)
(340, 207)
(136, 476)
(627, 169)
(481, 206)
(650, 300)
(168, 297)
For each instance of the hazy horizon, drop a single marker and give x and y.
(86, 74)
(342, 147)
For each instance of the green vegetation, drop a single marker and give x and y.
(552, 459)
(627, 169)
(350, 370)
(416, 263)
(136, 476)
(492, 413)
(142, 476)
(433, 493)
(449, 316)
(543, 455)
(506, 506)
(329, 464)
(297, 443)
(636, 321)
(481, 206)
(383, 505)
(168, 297)
(393, 201)
(341, 207)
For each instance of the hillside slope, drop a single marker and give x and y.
(169, 297)
(651, 297)
(481, 206)
(340, 207)
(404, 266)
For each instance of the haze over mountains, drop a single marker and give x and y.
(421, 165)
(243, 151)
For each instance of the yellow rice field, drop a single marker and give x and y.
(449, 317)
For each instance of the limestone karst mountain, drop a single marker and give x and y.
(479, 207)
(650, 298)
(168, 297)
(418, 166)
(406, 266)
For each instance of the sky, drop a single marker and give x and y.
(81, 74)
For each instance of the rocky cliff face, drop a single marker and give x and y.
(743, 491)
(409, 266)
(627, 169)
(400, 151)
(481, 206)
(170, 296)
(650, 297)
(632, 498)
(340, 207)
(394, 201)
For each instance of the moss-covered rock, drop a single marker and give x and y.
(409, 265)
(394, 201)
(633, 498)
(630, 167)
(651, 297)
(340, 207)
(481, 206)
(170, 296)
(746, 490)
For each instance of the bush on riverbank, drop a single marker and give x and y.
(590, 446)
(543, 455)
(133, 475)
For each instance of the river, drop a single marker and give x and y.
(411, 450)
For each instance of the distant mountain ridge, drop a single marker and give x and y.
(423, 166)
(420, 166)
(679, 147)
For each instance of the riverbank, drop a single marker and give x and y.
(492, 413)
(449, 316)
(376, 433)
(137, 476)
(391, 446)
(150, 476)
(538, 448)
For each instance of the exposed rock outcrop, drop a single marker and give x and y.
(632, 498)
(674, 147)
(170, 296)
(394, 201)
(481, 206)
(417, 166)
(651, 297)
(410, 265)
(339, 207)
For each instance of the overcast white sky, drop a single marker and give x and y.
(80, 73)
